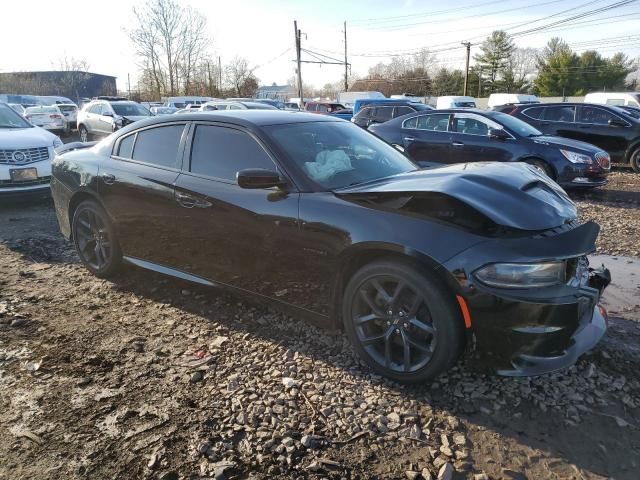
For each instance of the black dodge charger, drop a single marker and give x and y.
(332, 224)
(462, 135)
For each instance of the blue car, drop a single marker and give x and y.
(442, 137)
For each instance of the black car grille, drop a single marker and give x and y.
(22, 156)
(25, 183)
(603, 160)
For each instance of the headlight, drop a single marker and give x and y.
(57, 142)
(522, 275)
(575, 157)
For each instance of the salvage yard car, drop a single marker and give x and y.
(26, 152)
(465, 135)
(48, 117)
(613, 129)
(330, 223)
(103, 117)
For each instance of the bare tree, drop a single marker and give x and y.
(76, 74)
(171, 43)
(239, 75)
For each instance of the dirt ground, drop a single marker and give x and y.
(148, 377)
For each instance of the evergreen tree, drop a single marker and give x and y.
(497, 50)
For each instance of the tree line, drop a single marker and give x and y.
(500, 66)
(174, 57)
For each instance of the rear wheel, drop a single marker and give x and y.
(635, 160)
(402, 322)
(95, 239)
(541, 166)
(84, 133)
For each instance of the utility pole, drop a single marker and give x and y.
(129, 86)
(346, 64)
(298, 34)
(219, 76)
(466, 70)
(479, 82)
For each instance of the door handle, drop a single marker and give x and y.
(457, 144)
(108, 178)
(187, 201)
(409, 139)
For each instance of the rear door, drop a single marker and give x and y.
(105, 120)
(470, 141)
(560, 120)
(381, 114)
(427, 139)
(594, 128)
(136, 186)
(245, 238)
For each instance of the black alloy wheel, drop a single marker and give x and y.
(635, 160)
(402, 322)
(95, 239)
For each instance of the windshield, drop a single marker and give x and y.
(465, 104)
(338, 154)
(10, 119)
(125, 109)
(516, 125)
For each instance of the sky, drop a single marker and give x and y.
(262, 31)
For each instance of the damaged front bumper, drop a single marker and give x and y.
(536, 330)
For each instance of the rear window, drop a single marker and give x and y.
(158, 146)
(67, 108)
(42, 110)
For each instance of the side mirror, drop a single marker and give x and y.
(614, 122)
(107, 114)
(258, 178)
(498, 134)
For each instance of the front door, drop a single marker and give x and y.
(470, 140)
(136, 185)
(594, 128)
(245, 238)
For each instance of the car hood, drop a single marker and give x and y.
(11, 138)
(511, 195)
(135, 118)
(562, 142)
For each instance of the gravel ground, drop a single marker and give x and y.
(148, 377)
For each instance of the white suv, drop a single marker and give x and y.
(103, 117)
(26, 152)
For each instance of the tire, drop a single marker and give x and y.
(542, 167)
(424, 316)
(634, 160)
(95, 239)
(85, 136)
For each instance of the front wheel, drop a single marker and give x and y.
(402, 322)
(95, 239)
(541, 166)
(635, 160)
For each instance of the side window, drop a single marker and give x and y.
(595, 116)
(159, 145)
(365, 113)
(234, 107)
(470, 125)
(221, 152)
(411, 123)
(125, 148)
(384, 113)
(560, 114)
(534, 112)
(95, 108)
(615, 101)
(322, 108)
(402, 111)
(436, 122)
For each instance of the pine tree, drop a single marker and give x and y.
(497, 49)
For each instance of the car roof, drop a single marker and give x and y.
(246, 118)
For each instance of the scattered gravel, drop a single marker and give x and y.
(137, 379)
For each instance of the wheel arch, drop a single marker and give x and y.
(75, 200)
(357, 256)
(529, 157)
